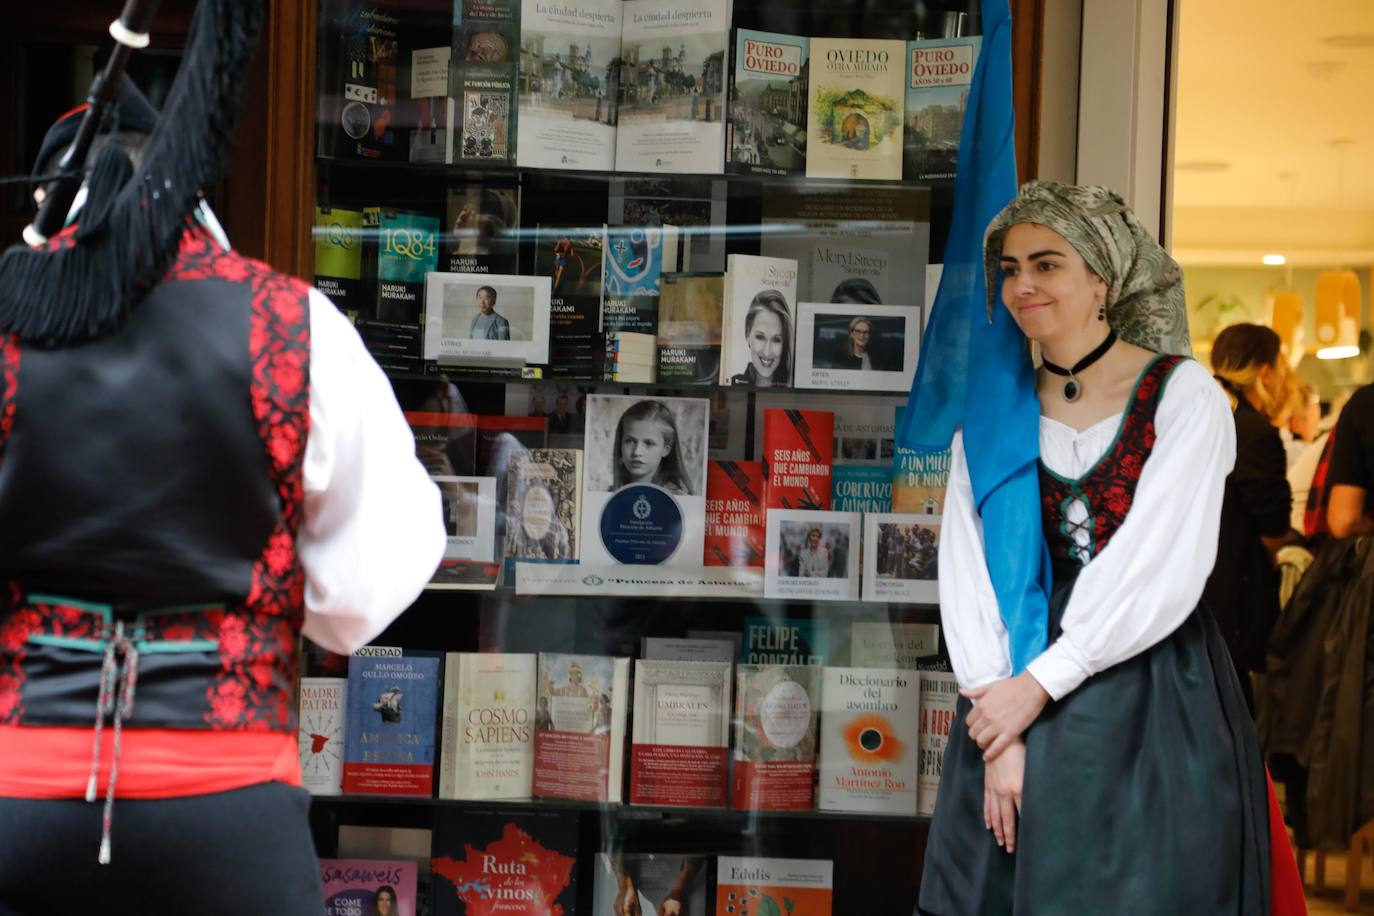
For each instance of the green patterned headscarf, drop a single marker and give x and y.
(1145, 304)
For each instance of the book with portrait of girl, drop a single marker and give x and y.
(644, 493)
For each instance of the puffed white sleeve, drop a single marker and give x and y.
(974, 633)
(1149, 578)
(373, 530)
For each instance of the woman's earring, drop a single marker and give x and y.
(1101, 311)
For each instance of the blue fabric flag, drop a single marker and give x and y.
(997, 409)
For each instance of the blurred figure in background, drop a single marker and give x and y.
(1243, 590)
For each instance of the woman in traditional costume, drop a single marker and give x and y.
(1114, 768)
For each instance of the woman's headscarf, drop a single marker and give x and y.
(1145, 304)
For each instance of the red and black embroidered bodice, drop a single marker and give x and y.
(1108, 488)
(150, 496)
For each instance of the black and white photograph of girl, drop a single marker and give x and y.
(658, 441)
(767, 342)
(635, 443)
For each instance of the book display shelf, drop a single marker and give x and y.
(649, 279)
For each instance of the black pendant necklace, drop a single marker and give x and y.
(1072, 389)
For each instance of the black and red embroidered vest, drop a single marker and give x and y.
(150, 496)
(1108, 488)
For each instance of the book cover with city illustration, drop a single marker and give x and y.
(672, 86)
(854, 116)
(766, 133)
(569, 71)
(938, 75)
(482, 79)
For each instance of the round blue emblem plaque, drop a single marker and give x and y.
(641, 524)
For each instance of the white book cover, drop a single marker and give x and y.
(855, 347)
(499, 319)
(869, 734)
(488, 733)
(580, 720)
(665, 648)
(757, 335)
(755, 886)
(469, 506)
(568, 52)
(880, 644)
(939, 694)
(812, 555)
(854, 123)
(901, 554)
(323, 710)
(672, 86)
(681, 733)
(644, 499)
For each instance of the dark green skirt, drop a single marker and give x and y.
(1144, 793)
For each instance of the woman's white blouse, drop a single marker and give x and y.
(1148, 579)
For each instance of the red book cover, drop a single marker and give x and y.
(798, 451)
(735, 532)
(445, 443)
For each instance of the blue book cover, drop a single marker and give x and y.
(393, 708)
(861, 488)
(770, 641)
(918, 478)
(407, 249)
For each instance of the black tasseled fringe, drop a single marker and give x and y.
(131, 228)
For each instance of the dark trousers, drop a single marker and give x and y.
(245, 851)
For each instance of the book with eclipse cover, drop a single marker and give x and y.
(870, 721)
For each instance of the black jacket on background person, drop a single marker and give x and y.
(1318, 716)
(1243, 590)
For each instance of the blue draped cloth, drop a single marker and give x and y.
(997, 409)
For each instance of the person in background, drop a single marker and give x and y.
(488, 324)
(1304, 420)
(1310, 432)
(1350, 477)
(1243, 589)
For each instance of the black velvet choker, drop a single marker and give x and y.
(1072, 388)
